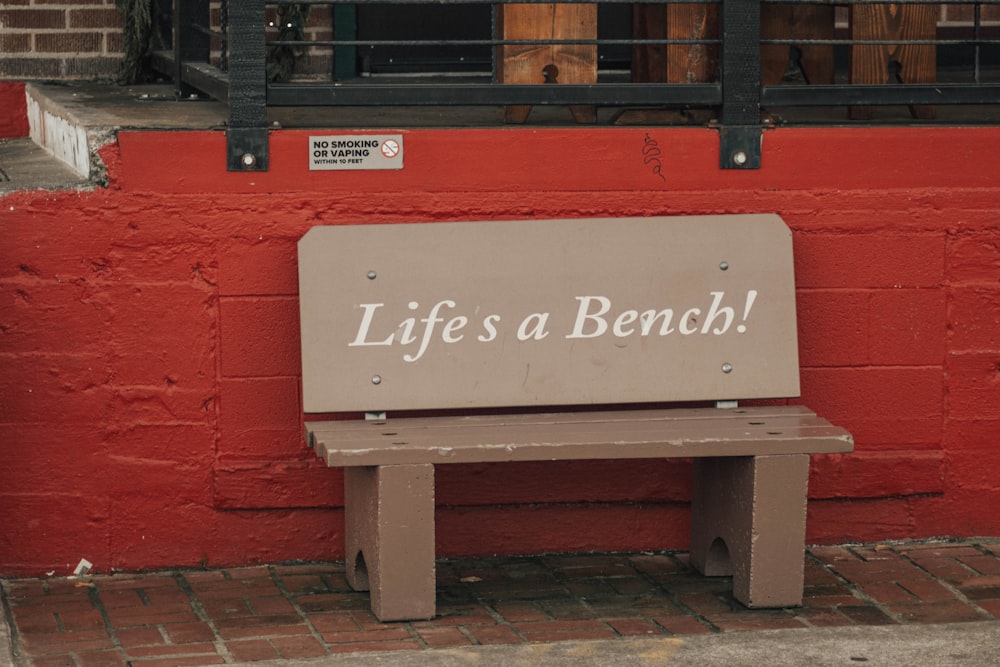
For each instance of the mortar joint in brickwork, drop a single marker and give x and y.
(8, 618)
(95, 599)
(855, 591)
(279, 583)
(947, 585)
(202, 615)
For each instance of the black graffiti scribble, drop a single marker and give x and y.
(651, 155)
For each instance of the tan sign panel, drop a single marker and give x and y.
(547, 312)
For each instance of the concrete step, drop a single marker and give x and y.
(24, 165)
(70, 123)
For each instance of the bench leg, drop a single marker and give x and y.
(389, 534)
(748, 520)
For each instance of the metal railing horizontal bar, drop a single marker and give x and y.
(856, 2)
(898, 94)
(494, 42)
(204, 77)
(884, 42)
(211, 32)
(628, 42)
(497, 2)
(473, 94)
(626, 2)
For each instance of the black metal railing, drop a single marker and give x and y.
(226, 50)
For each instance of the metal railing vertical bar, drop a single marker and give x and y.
(190, 43)
(247, 136)
(224, 29)
(977, 33)
(740, 130)
(345, 19)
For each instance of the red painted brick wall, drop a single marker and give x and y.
(13, 110)
(150, 410)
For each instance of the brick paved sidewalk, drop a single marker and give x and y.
(198, 617)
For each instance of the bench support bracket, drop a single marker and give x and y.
(748, 520)
(389, 535)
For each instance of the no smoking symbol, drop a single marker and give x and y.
(390, 148)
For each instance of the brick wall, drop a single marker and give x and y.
(82, 39)
(150, 412)
(60, 39)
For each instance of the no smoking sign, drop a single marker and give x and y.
(355, 151)
(390, 148)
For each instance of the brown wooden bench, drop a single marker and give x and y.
(518, 317)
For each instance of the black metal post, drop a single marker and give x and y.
(163, 25)
(246, 139)
(739, 118)
(345, 27)
(190, 44)
(224, 29)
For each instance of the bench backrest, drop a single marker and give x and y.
(547, 312)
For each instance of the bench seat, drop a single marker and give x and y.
(749, 487)
(620, 434)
